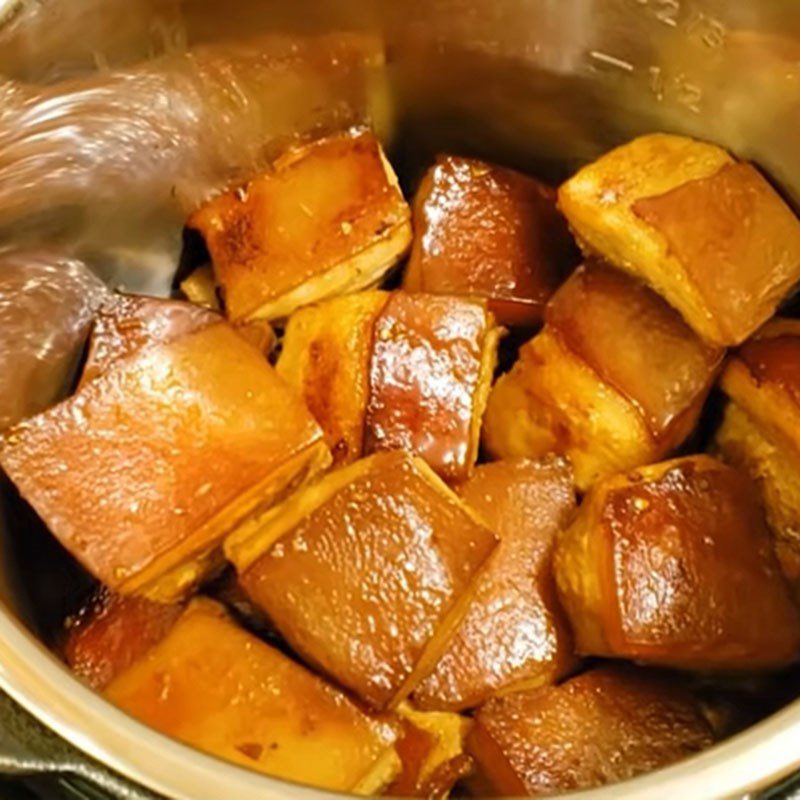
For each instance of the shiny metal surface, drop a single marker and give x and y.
(540, 84)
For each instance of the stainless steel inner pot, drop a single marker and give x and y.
(539, 84)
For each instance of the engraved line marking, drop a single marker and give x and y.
(612, 61)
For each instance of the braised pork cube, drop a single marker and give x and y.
(657, 563)
(431, 750)
(572, 393)
(485, 231)
(112, 631)
(431, 370)
(325, 357)
(200, 288)
(760, 432)
(142, 472)
(606, 725)
(514, 634)
(707, 232)
(210, 684)
(400, 371)
(129, 323)
(366, 573)
(259, 333)
(328, 219)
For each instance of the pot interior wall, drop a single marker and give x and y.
(541, 85)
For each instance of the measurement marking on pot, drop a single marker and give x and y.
(711, 32)
(611, 61)
(689, 94)
(657, 83)
(666, 11)
(675, 88)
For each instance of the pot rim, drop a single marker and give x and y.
(758, 757)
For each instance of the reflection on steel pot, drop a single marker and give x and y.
(46, 308)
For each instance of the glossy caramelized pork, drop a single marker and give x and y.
(143, 471)
(665, 371)
(658, 563)
(113, 631)
(216, 687)
(514, 634)
(430, 374)
(200, 288)
(326, 355)
(708, 233)
(259, 333)
(129, 323)
(485, 231)
(604, 726)
(456, 606)
(329, 218)
(366, 573)
(760, 432)
(431, 749)
(615, 380)
(385, 371)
